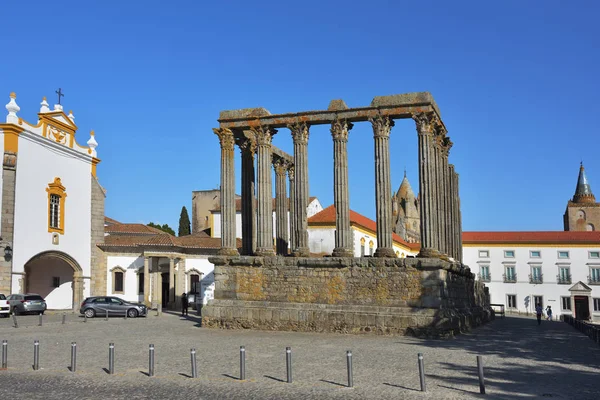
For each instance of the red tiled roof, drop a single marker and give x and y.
(195, 241)
(238, 204)
(110, 221)
(327, 216)
(132, 228)
(550, 237)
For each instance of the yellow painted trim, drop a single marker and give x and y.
(22, 121)
(58, 189)
(212, 225)
(95, 162)
(595, 244)
(11, 137)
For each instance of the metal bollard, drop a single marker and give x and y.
(159, 309)
(106, 314)
(73, 356)
(84, 318)
(422, 372)
(242, 363)
(64, 319)
(40, 324)
(151, 360)
(111, 358)
(349, 362)
(288, 363)
(480, 370)
(36, 355)
(16, 324)
(194, 368)
(4, 354)
(126, 312)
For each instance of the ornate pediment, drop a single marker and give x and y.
(580, 287)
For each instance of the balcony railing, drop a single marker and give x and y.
(563, 279)
(485, 277)
(510, 278)
(594, 280)
(535, 279)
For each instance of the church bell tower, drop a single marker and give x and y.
(583, 212)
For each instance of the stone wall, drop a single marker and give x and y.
(385, 295)
(9, 178)
(98, 259)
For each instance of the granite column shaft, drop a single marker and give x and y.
(292, 207)
(281, 215)
(228, 234)
(248, 149)
(341, 191)
(300, 136)
(264, 223)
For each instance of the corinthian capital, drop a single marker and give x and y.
(299, 132)
(426, 122)
(225, 138)
(247, 143)
(281, 166)
(382, 125)
(340, 128)
(291, 172)
(263, 135)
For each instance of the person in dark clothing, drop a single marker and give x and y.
(538, 311)
(184, 304)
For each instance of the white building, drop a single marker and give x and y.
(321, 235)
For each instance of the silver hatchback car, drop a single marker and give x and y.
(28, 303)
(113, 306)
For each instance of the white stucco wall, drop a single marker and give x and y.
(551, 292)
(39, 161)
(131, 264)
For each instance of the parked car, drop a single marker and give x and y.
(28, 303)
(4, 307)
(113, 306)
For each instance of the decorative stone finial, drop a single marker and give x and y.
(71, 116)
(44, 106)
(58, 107)
(12, 108)
(92, 143)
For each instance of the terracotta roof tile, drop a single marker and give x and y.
(327, 216)
(195, 241)
(549, 237)
(132, 228)
(110, 221)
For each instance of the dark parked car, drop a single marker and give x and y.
(114, 306)
(28, 303)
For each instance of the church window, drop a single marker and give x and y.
(594, 254)
(563, 254)
(581, 214)
(118, 280)
(141, 283)
(56, 206)
(56, 281)
(509, 254)
(590, 227)
(362, 247)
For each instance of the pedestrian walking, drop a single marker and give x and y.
(549, 313)
(538, 311)
(184, 304)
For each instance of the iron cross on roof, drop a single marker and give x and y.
(60, 94)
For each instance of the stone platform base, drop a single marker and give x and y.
(303, 317)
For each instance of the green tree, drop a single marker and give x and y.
(164, 227)
(184, 223)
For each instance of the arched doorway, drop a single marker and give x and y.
(57, 277)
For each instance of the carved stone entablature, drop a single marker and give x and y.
(10, 160)
(225, 138)
(382, 125)
(340, 128)
(299, 132)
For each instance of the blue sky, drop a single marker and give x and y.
(516, 83)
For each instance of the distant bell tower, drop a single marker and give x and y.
(583, 213)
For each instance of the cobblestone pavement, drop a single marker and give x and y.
(522, 360)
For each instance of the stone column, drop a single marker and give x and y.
(147, 281)
(383, 186)
(446, 146)
(451, 212)
(77, 289)
(248, 149)
(171, 282)
(264, 223)
(292, 207)
(425, 129)
(341, 191)
(437, 223)
(155, 284)
(228, 240)
(458, 220)
(281, 212)
(300, 136)
(180, 287)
